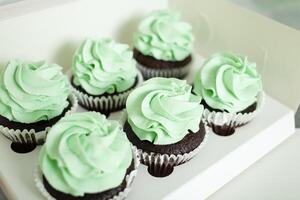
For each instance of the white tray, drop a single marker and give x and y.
(222, 159)
(217, 163)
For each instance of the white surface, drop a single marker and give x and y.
(223, 26)
(287, 11)
(217, 163)
(53, 34)
(275, 177)
(4, 2)
(42, 35)
(18, 8)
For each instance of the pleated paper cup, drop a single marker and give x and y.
(162, 165)
(38, 179)
(31, 136)
(179, 72)
(224, 123)
(105, 104)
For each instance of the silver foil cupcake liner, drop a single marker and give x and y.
(38, 179)
(179, 72)
(31, 136)
(224, 123)
(105, 104)
(162, 165)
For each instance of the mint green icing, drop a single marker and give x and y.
(31, 92)
(228, 82)
(164, 36)
(162, 110)
(85, 153)
(104, 66)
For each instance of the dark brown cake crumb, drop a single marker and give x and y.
(149, 61)
(37, 126)
(249, 109)
(108, 194)
(190, 142)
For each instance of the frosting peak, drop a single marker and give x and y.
(85, 153)
(228, 82)
(31, 92)
(104, 66)
(163, 36)
(163, 110)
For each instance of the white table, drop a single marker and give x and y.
(214, 166)
(286, 12)
(221, 159)
(275, 177)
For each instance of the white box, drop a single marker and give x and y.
(221, 159)
(54, 33)
(223, 26)
(217, 163)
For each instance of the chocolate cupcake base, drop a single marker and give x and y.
(190, 142)
(33, 133)
(161, 159)
(224, 123)
(105, 103)
(151, 67)
(118, 193)
(106, 195)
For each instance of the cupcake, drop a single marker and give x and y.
(164, 123)
(104, 73)
(231, 89)
(33, 97)
(163, 45)
(86, 157)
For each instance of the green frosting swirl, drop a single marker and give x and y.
(31, 92)
(228, 82)
(85, 153)
(104, 66)
(163, 36)
(162, 110)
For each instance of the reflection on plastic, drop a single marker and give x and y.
(286, 12)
